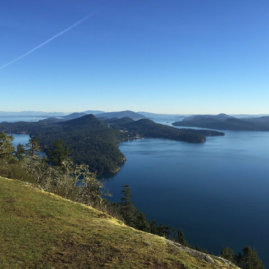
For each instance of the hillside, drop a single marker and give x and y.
(74, 115)
(89, 140)
(150, 129)
(42, 230)
(226, 122)
(121, 114)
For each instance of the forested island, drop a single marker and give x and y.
(95, 141)
(226, 122)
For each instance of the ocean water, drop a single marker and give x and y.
(216, 192)
(20, 139)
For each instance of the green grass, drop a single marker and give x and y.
(42, 230)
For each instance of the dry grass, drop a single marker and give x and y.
(42, 230)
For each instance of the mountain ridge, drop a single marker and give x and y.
(121, 114)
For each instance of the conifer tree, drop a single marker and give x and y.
(249, 259)
(228, 253)
(181, 238)
(58, 153)
(6, 148)
(20, 152)
(127, 207)
(33, 148)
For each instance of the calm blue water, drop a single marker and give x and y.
(217, 192)
(20, 139)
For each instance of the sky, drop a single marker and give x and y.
(169, 56)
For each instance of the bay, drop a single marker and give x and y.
(20, 139)
(216, 192)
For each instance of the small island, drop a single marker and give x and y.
(226, 122)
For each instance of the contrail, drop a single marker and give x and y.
(46, 42)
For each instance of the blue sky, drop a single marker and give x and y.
(191, 56)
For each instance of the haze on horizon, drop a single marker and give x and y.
(188, 57)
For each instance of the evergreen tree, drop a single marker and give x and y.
(127, 208)
(126, 195)
(6, 148)
(164, 230)
(33, 148)
(20, 152)
(181, 238)
(228, 253)
(58, 153)
(154, 227)
(249, 259)
(131, 215)
(141, 222)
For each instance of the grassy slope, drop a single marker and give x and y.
(42, 230)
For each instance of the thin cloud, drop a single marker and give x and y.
(77, 23)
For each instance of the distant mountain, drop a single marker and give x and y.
(226, 122)
(88, 122)
(94, 112)
(74, 115)
(241, 116)
(31, 114)
(60, 115)
(220, 117)
(150, 114)
(120, 114)
(259, 120)
(162, 118)
(118, 123)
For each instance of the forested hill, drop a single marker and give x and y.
(150, 129)
(95, 142)
(120, 114)
(226, 122)
(90, 140)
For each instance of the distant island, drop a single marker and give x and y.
(226, 122)
(150, 129)
(105, 115)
